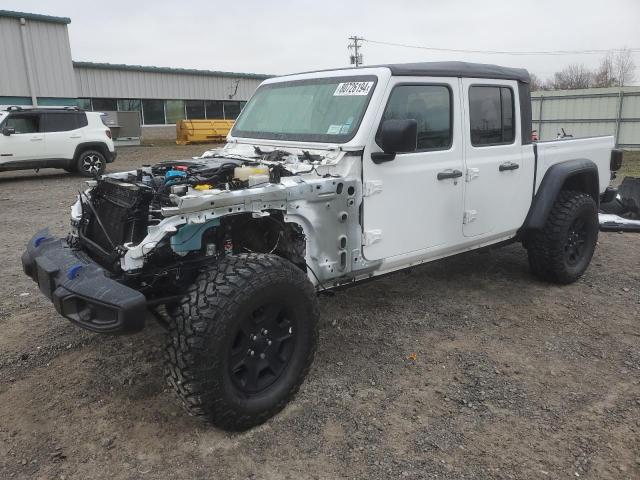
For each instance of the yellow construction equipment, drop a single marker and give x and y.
(202, 131)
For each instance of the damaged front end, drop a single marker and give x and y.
(153, 229)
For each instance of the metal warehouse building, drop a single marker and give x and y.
(39, 71)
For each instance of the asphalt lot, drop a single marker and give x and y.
(466, 368)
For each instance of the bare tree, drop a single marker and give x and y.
(572, 77)
(605, 75)
(624, 67)
(537, 83)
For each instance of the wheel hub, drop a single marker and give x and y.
(92, 164)
(576, 239)
(262, 348)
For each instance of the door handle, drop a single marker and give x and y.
(36, 139)
(508, 166)
(449, 174)
(75, 136)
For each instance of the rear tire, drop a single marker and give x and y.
(242, 340)
(91, 163)
(562, 250)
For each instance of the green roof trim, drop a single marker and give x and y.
(181, 71)
(35, 16)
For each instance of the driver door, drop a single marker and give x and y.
(413, 204)
(27, 143)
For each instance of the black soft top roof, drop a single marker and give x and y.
(458, 69)
(450, 69)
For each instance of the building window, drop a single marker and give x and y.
(214, 110)
(128, 105)
(153, 112)
(15, 101)
(232, 110)
(84, 103)
(175, 111)
(491, 114)
(56, 102)
(195, 109)
(430, 107)
(104, 104)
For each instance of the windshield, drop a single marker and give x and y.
(317, 110)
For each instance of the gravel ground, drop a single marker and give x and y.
(466, 368)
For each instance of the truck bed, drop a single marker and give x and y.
(596, 149)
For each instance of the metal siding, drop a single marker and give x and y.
(589, 112)
(13, 78)
(51, 58)
(631, 106)
(110, 83)
(630, 134)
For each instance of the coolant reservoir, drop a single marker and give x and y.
(243, 173)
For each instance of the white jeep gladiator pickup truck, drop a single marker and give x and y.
(327, 178)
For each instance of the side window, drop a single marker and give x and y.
(430, 106)
(61, 122)
(81, 119)
(24, 122)
(491, 115)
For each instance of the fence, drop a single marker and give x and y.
(590, 112)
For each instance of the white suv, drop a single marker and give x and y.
(67, 138)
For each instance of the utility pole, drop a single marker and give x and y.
(356, 58)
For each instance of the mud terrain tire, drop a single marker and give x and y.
(242, 340)
(561, 251)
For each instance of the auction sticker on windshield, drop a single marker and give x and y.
(352, 88)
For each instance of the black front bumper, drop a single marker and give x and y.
(80, 289)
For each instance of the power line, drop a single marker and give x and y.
(501, 52)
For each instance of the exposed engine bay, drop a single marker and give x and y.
(156, 223)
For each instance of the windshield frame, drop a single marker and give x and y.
(306, 137)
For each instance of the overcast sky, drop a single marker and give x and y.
(273, 36)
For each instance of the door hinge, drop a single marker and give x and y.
(371, 187)
(469, 216)
(371, 236)
(472, 174)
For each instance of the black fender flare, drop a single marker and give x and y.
(100, 146)
(578, 174)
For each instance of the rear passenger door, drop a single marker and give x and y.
(27, 143)
(63, 132)
(497, 181)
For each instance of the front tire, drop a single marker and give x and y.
(562, 250)
(242, 340)
(91, 163)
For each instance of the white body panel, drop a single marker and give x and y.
(22, 146)
(63, 144)
(596, 149)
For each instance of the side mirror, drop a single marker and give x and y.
(396, 136)
(6, 131)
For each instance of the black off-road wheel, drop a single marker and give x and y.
(562, 250)
(91, 163)
(242, 340)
